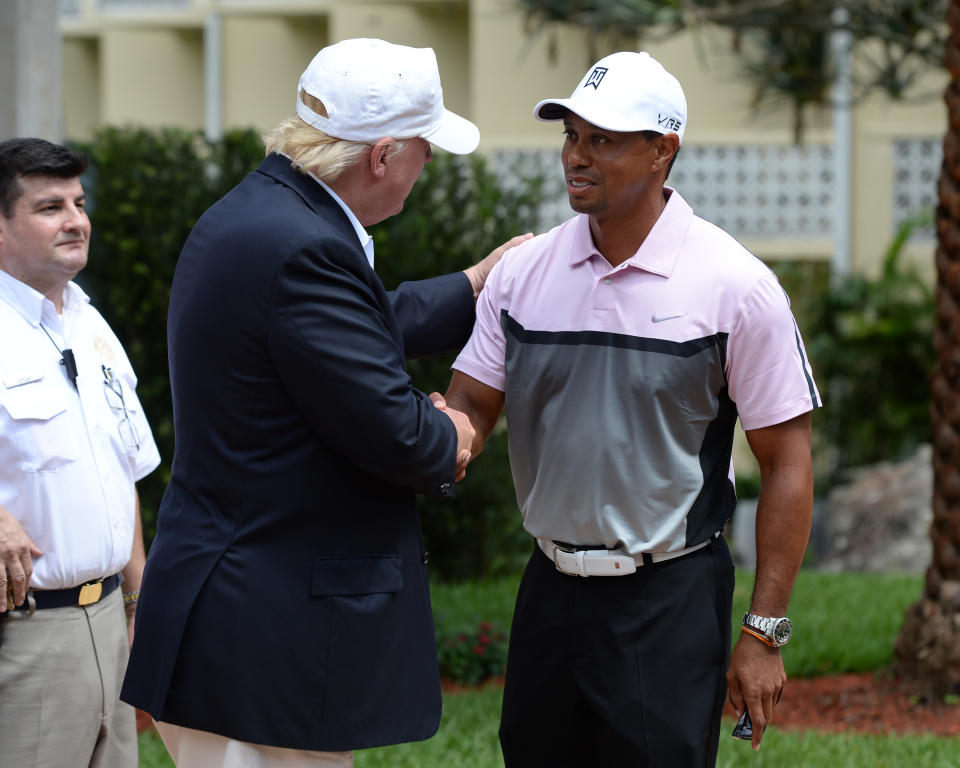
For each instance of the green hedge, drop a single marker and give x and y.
(146, 190)
(457, 213)
(870, 342)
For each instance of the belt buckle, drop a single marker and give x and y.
(90, 593)
(568, 549)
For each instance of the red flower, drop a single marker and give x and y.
(479, 650)
(484, 639)
(486, 626)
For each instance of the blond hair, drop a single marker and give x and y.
(312, 150)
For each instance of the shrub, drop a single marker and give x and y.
(471, 657)
(870, 341)
(146, 190)
(456, 214)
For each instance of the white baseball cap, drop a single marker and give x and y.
(624, 91)
(371, 89)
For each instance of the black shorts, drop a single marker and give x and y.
(619, 668)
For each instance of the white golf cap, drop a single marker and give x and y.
(624, 91)
(372, 89)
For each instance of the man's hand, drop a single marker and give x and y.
(478, 272)
(465, 433)
(17, 551)
(755, 679)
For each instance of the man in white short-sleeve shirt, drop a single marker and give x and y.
(73, 443)
(624, 345)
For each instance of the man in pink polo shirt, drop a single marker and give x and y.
(625, 344)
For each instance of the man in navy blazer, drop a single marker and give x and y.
(285, 603)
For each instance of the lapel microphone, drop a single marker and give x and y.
(69, 363)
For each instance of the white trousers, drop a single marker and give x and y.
(190, 748)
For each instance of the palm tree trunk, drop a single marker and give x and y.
(928, 647)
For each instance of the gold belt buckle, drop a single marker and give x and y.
(90, 593)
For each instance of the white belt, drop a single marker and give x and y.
(606, 562)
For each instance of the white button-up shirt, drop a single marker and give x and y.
(366, 241)
(67, 463)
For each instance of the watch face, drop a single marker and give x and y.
(782, 631)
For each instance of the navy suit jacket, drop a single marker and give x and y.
(285, 598)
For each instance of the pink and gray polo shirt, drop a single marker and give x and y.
(623, 384)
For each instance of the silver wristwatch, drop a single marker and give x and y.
(776, 631)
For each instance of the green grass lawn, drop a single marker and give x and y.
(468, 739)
(827, 610)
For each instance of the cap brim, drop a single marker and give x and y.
(600, 115)
(454, 134)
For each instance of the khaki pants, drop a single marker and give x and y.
(200, 749)
(60, 676)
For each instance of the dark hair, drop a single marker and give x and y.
(33, 157)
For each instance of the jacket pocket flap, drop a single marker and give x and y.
(356, 575)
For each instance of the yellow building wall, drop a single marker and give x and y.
(511, 71)
(81, 94)
(878, 123)
(148, 69)
(152, 77)
(441, 26)
(263, 58)
(719, 100)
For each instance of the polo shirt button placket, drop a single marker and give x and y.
(603, 295)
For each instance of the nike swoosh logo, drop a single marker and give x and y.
(659, 319)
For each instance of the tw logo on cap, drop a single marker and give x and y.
(595, 77)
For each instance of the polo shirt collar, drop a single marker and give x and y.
(32, 304)
(660, 249)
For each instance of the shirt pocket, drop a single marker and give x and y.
(39, 436)
(126, 425)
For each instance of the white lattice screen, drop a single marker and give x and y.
(775, 191)
(760, 191)
(916, 166)
(763, 191)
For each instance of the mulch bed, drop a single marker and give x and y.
(863, 703)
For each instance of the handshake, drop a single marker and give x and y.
(466, 433)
